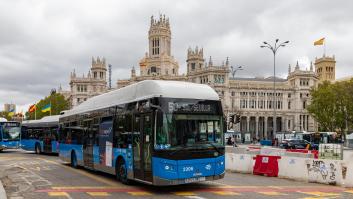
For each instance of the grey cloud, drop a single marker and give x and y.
(41, 42)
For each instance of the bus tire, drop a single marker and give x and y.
(121, 172)
(37, 148)
(73, 160)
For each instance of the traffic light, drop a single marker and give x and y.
(231, 118)
(237, 119)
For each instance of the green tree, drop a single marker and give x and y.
(58, 104)
(5, 115)
(332, 105)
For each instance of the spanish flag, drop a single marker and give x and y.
(46, 108)
(32, 108)
(319, 42)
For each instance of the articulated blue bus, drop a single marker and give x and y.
(155, 132)
(41, 135)
(10, 134)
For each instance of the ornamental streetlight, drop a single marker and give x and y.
(274, 49)
(235, 69)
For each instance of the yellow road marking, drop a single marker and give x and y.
(87, 187)
(140, 193)
(98, 194)
(271, 193)
(184, 193)
(56, 194)
(349, 191)
(320, 194)
(226, 193)
(94, 177)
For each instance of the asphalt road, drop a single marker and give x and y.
(30, 176)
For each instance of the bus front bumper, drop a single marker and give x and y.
(166, 182)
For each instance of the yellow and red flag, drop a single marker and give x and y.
(32, 108)
(319, 42)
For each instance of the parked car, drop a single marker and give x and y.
(297, 144)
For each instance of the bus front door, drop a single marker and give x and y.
(46, 134)
(142, 147)
(88, 149)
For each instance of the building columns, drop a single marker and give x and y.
(247, 124)
(257, 126)
(265, 128)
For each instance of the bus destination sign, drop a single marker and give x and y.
(187, 107)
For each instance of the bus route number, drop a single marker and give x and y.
(187, 169)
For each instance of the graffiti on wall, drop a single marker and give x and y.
(321, 171)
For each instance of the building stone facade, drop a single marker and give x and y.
(251, 98)
(10, 107)
(84, 87)
(326, 68)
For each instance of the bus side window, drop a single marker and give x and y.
(128, 128)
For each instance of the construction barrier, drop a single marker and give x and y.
(292, 168)
(315, 152)
(291, 164)
(325, 171)
(266, 165)
(242, 163)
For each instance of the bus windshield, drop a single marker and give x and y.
(11, 133)
(188, 130)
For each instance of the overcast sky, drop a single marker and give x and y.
(41, 42)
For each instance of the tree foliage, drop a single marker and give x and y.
(332, 105)
(5, 115)
(58, 104)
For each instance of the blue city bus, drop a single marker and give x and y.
(10, 134)
(41, 135)
(155, 132)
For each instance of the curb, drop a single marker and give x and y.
(2, 192)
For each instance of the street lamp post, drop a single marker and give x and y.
(274, 49)
(235, 69)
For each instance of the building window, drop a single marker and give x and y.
(95, 75)
(78, 100)
(233, 93)
(193, 66)
(304, 104)
(288, 105)
(289, 95)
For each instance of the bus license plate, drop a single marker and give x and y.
(190, 180)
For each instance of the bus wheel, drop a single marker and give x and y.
(73, 160)
(37, 149)
(122, 173)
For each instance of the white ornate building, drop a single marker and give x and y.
(252, 98)
(84, 87)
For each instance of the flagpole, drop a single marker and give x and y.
(50, 107)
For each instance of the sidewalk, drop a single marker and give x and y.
(2, 191)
